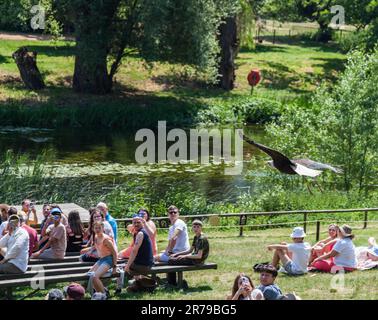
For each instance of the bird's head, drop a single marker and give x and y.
(270, 163)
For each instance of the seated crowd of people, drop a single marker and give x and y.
(20, 241)
(333, 254)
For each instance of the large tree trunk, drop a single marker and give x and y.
(325, 32)
(27, 65)
(94, 28)
(91, 74)
(229, 44)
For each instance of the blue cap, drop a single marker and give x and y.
(56, 211)
(138, 215)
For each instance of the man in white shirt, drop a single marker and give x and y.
(15, 246)
(178, 238)
(294, 256)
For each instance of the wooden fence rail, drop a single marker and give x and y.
(163, 222)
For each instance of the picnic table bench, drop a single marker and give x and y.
(70, 269)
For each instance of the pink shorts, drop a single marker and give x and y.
(329, 266)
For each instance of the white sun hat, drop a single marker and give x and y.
(298, 232)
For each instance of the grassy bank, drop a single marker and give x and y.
(23, 177)
(147, 93)
(234, 254)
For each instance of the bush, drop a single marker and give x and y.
(342, 126)
(241, 110)
(15, 15)
(363, 39)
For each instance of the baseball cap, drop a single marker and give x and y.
(56, 211)
(55, 294)
(74, 291)
(99, 296)
(138, 215)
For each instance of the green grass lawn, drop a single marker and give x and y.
(288, 71)
(235, 254)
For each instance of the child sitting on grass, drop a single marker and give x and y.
(294, 256)
(270, 290)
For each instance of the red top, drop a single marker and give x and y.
(33, 237)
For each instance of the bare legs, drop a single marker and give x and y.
(280, 255)
(99, 272)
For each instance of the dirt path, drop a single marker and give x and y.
(25, 36)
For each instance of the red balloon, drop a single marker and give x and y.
(254, 77)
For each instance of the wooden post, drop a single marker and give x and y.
(242, 222)
(365, 219)
(305, 222)
(9, 293)
(258, 34)
(274, 36)
(289, 33)
(180, 278)
(317, 230)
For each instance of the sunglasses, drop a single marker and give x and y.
(173, 212)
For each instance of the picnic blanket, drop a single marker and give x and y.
(363, 261)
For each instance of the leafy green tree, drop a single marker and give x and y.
(182, 31)
(360, 13)
(320, 12)
(190, 31)
(342, 126)
(15, 15)
(280, 10)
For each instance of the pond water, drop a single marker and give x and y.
(108, 157)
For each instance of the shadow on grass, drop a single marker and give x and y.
(56, 107)
(281, 77)
(262, 49)
(303, 41)
(330, 66)
(187, 88)
(4, 59)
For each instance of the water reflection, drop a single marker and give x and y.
(105, 155)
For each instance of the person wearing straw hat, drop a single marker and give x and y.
(294, 256)
(343, 252)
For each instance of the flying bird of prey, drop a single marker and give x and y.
(302, 167)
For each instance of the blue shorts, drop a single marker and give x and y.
(289, 268)
(163, 257)
(105, 260)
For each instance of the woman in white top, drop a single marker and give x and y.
(343, 252)
(243, 289)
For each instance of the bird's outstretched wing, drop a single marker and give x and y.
(317, 165)
(304, 171)
(274, 154)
